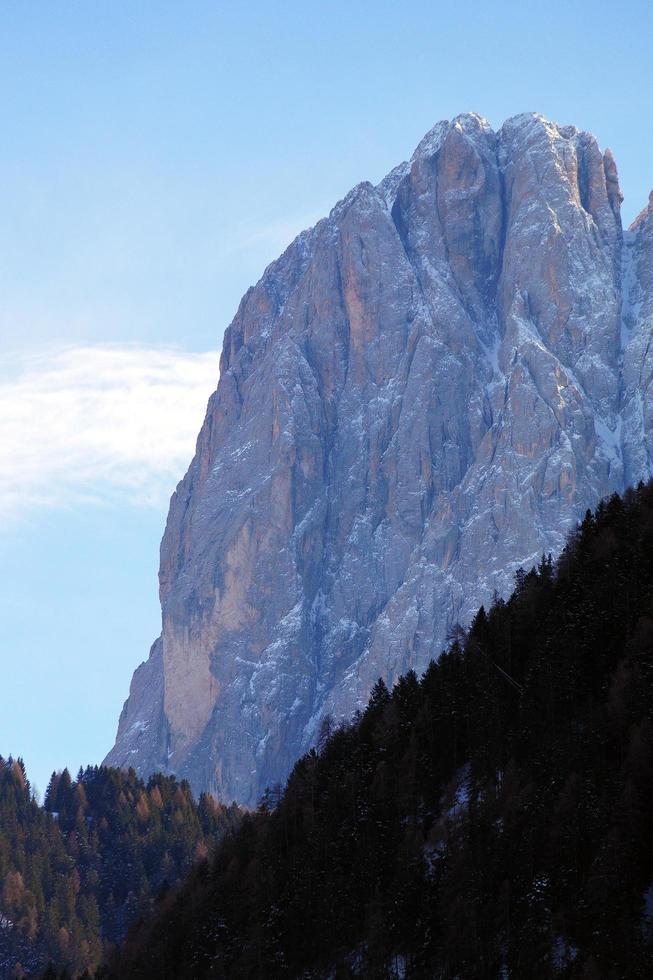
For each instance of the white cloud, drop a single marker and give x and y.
(98, 423)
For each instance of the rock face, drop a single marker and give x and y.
(423, 393)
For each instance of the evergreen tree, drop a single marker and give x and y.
(75, 873)
(489, 819)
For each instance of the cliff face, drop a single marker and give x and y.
(424, 392)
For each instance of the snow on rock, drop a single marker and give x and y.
(424, 392)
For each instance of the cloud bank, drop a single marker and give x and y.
(98, 423)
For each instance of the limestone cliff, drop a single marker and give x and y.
(423, 393)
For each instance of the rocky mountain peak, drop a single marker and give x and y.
(423, 393)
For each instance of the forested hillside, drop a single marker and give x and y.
(75, 872)
(489, 820)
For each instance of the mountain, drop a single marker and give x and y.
(75, 872)
(424, 392)
(491, 819)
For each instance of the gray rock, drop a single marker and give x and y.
(423, 393)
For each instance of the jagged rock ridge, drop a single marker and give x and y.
(425, 391)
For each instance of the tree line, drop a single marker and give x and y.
(76, 871)
(490, 819)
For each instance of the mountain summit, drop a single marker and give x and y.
(424, 392)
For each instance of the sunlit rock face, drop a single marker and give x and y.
(423, 393)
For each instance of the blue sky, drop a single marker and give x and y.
(155, 157)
